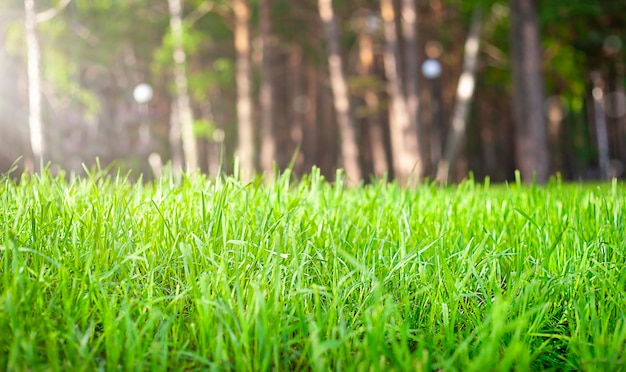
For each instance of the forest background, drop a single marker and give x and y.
(413, 90)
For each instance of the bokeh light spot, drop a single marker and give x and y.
(556, 108)
(612, 44)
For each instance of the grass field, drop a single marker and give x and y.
(101, 273)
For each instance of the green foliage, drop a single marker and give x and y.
(101, 30)
(224, 70)
(197, 40)
(59, 72)
(203, 129)
(102, 273)
(163, 56)
(62, 74)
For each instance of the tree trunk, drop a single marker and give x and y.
(183, 105)
(349, 146)
(176, 151)
(35, 125)
(528, 94)
(464, 95)
(266, 98)
(617, 102)
(408, 21)
(309, 145)
(327, 143)
(407, 162)
(245, 128)
(370, 97)
(555, 114)
(296, 106)
(600, 124)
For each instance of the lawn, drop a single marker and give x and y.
(102, 273)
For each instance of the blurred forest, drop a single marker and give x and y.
(411, 89)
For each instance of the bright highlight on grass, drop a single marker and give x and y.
(102, 273)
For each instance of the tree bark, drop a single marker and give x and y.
(309, 145)
(370, 97)
(245, 128)
(176, 150)
(341, 100)
(266, 96)
(35, 124)
(408, 21)
(183, 105)
(600, 124)
(528, 95)
(618, 106)
(297, 107)
(464, 95)
(407, 162)
(555, 114)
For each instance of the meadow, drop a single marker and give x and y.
(100, 273)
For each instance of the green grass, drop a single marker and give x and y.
(102, 273)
